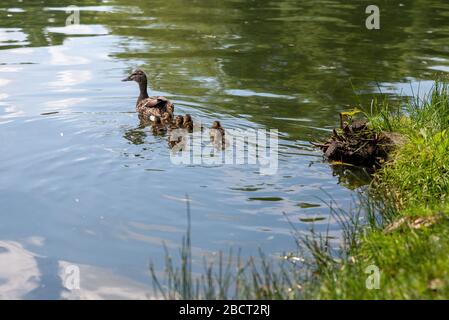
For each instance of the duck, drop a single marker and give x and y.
(149, 107)
(217, 135)
(187, 123)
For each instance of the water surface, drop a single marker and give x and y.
(82, 183)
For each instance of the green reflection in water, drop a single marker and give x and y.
(285, 64)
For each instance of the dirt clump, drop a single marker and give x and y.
(357, 144)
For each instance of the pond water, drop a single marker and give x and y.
(82, 183)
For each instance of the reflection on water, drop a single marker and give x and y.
(82, 180)
(98, 284)
(350, 176)
(136, 136)
(25, 279)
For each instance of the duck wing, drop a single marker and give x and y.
(165, 104)
(149, 108)
(152, 102)
(154, 107)
(155, 102)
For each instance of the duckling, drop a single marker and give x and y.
(176, 137)
(167, 118)
(158, 128)
(187, 123)
(217, 135)
(216, 131)
(149, 107)
(179, 120)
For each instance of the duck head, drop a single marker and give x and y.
(187, 119)
(137, 75)
(141, 78)
(216, 125)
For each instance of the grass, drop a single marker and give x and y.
(232, 277)
(395, 244)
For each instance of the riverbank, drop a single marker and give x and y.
(394, 245)
(407, 241)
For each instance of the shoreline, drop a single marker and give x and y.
(402, 251)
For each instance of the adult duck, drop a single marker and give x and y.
(150, 108)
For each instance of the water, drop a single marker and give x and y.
(82, 184)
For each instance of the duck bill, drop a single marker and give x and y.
(127, 79)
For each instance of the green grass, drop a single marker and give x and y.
(419, 173)
(411, 115)
(401, 229)
(413, 264)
